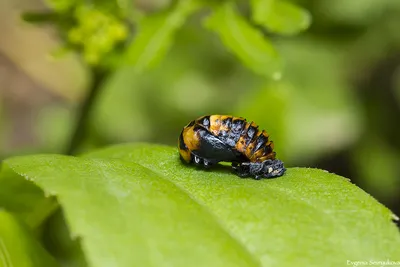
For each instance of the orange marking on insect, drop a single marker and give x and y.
(258, 154)
(192, 139)
(241, 143)
(185, 154)
(215, 124)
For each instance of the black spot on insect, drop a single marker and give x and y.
(223, 133)
(232, 139)
(227, 123)
(182, 144)
(268, 149)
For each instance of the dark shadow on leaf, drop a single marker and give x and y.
(219, 168)
(397, 223)
(58, 242)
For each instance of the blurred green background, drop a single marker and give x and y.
(336, 106)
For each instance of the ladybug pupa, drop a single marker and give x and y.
(223, 138)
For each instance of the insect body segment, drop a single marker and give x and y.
(212, 139)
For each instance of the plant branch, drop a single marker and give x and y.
(79, 133)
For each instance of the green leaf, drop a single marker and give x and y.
(155, 35)
(40, 18)
(246, 42)
(162, 212)
(304, 218)
(126, 214)
(280, 16)
(24, 199)
(18, 247)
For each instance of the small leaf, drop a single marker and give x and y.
(18, 247)
(39, 18)
(246, 42)
(128, 215)
(280, 16)
(155, 35)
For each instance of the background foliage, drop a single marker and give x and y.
(321, 76)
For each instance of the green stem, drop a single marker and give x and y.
(79, 134)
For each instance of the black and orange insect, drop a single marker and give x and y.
(216, 138)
